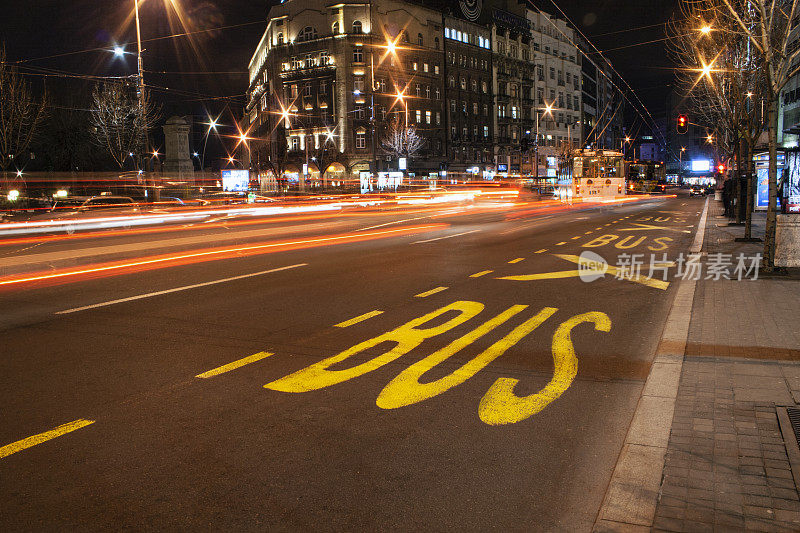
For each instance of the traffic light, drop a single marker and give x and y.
(721, 168)
(683, 124)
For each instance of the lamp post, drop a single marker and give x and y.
(680, 164)
(140, 83)
(548, 110)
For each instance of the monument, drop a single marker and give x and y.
(177, 163)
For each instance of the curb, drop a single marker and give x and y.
(633, 492)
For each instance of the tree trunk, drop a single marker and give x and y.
(769, 234)
(748, 223)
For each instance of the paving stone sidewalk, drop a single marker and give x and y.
(727, 466)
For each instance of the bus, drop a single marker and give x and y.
(647, 177)
(592, 174)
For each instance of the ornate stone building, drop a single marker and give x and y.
(329, 82)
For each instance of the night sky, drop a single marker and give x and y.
(42, 28)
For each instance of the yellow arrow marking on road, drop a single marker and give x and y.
(589, 271)
(646, 227)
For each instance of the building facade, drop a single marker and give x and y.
(331, 83)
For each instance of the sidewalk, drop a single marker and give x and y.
(727, 465)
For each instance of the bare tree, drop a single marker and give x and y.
(721, 78)
(21, 114)
(401, 141)
(766, 24)
(119, 124)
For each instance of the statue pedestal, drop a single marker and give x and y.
(787, 241)
(177, 163)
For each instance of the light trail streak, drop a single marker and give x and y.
(200, 256)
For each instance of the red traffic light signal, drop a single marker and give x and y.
(721, 168)
(683, 124)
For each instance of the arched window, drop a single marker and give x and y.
(308, 33)
(357, 28)
(419, 39)
(336, 28)
(280, 38)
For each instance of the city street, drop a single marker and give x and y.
(428, 368)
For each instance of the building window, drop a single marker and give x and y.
(419, 39)
(336, 28)
(427, 117)
(552, 73)
(514, 112)
(357, 27)
(428, 92)
(293, 90)
(436, 43)
(418, 89)
(474, 86)
(452, 82)
(295, 144)
(475, 108)
(438, 118)
(307, 89)
(425, 67)
(358, 55)
(359, 113)
(307, 34)
(540, 95)
(358, 85)
(280, 37)
(438, 94)
(361, 141)
(436, 69)
(452, 106)
(486, 131)
(419, 116)
(540, 72)
(485, 110)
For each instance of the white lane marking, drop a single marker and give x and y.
(395, 222)
(177, 289)
(447, 237)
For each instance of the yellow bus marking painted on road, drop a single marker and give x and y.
(431, 292)
(29, 442)
(543, 250)
(576, 238)
(588, 233)
(561, 244)
(406, 388)
(501, 406)
(483, 273)
(614, 271)
(517, 260)
(552, 275)
(356, 320)
(404, 338)
(234, 365)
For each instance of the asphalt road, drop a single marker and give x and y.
(439, 409)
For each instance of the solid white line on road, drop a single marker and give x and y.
(447, 237)
(394, 222)
(177, 289)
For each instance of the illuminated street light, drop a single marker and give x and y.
(119, 51)
(705, 29)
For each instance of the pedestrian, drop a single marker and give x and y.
(727, 193)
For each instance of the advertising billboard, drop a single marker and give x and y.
(701, 165)
(235, 180)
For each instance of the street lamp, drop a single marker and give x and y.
(119, 51)
(624, 142)
(212, 125)
(548, 110)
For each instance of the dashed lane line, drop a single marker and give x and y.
(543, 250)
(356, 320)
(431, 292)
(561, 243)
(234, 365)
(29, 442)
(482, 273)
(517, 260)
